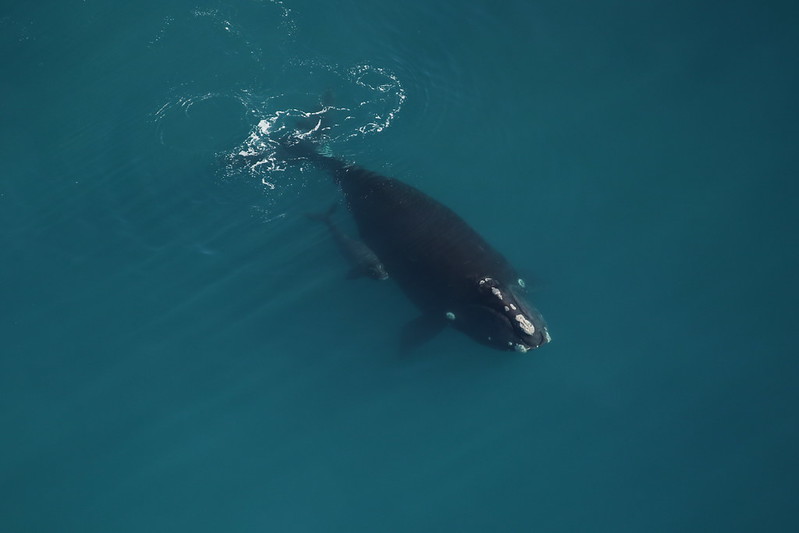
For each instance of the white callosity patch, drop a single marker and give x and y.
(494, 290)
(521, 348)
(547, 336)
(521, 283)
(525, 324)
(450, 315)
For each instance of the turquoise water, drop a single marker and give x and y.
(180, 351)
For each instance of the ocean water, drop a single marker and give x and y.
(180, 351)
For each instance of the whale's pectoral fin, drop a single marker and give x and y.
(420, 330)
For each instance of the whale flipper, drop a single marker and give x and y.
(363, 261)
(419, 331)
(323, 217)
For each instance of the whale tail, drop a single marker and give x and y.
(323, 217)
(315, 124)
(291, 147)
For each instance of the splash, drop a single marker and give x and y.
(366, 102)
(239, 114)
(198, 123)
(287, 19)
(379, 81)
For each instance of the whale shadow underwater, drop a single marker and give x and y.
(453, 275)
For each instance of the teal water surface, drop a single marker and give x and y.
(180, 351)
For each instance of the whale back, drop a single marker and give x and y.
(425, 246)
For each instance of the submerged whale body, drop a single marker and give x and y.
(444, 266)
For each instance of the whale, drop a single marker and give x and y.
(362, 260)
(446, 268)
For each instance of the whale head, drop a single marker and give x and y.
(499, 316)
(377, 271)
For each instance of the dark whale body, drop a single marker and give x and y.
(443, 265)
